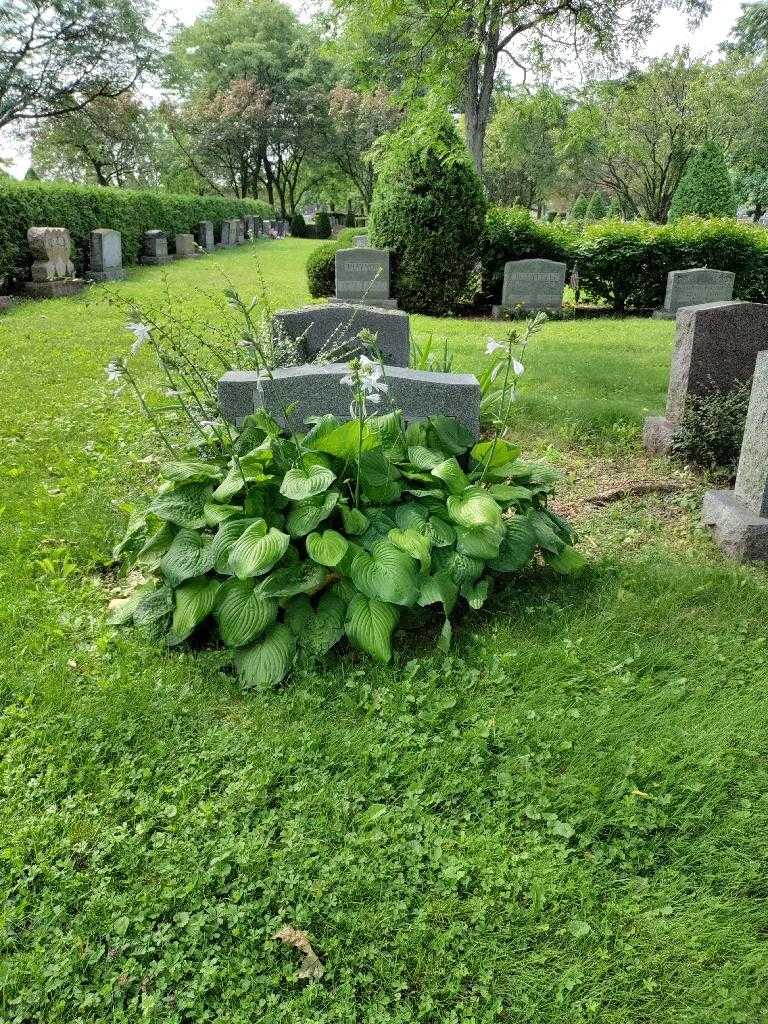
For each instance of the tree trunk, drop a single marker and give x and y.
(480, 77)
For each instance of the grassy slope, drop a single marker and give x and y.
(564, 821)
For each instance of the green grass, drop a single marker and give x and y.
(564, 821)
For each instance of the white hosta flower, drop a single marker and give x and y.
(347, 381)
(208, 423)
(493, 346)
(518, 367)
(114, 371)
(170, 393)
(140, 332)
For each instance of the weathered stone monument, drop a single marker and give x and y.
(532, 285)
(52, 272)
(239, 232)
(228, 233)
(361, 242)
(106, 256)
(316, 390)
(694, 288)
(185, 247)
(334, 330)
(739, 518)
(715, 349)
(155, 249)
(250, 228)
(204, 235)
(364, 275)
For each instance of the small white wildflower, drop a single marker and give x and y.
(170, 393)
(518, 367)
(493, 346)
(348, 381)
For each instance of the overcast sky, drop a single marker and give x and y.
(672, 31)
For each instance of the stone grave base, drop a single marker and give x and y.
(658, 432)
(738, 531)
(316, 389)
(100, 276)
(53, 289)
(663, 314)
(155, 261)
(375, 303)
(505, 313)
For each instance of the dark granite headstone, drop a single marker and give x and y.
(155, 249)
(106, 256)
(716, 347)
(532, 285)
(694, 288)
(204, 235)
(332, 330)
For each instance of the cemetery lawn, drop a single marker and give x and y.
(564, 821)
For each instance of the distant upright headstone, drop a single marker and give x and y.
(364, 275)
(694, 288)
(739, 518)
(228, 233)
(185, 247)
(267, 226)
(333, 330)
(361, 242)
(204, 235)
(532, 285)
(239, 232)
(155, 249)
(106, 256)
(250, 227)
(52, 272)
(715, 349)
(315, 390)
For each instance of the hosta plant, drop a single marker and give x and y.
(286, 545)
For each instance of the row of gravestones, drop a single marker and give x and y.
(53, 273)
(719, 345)
(364, 274)
(536, 284)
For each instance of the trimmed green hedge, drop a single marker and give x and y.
(81, 209)
(625, 263)
(321, 270)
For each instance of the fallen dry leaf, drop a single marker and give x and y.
(311, 968)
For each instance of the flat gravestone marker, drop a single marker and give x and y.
(333, 331)
(155, 249)
(106, 256)
(317, 390)
(364, 275)
(739, 518)
(715, 349)
(532, 285)
(694, 288)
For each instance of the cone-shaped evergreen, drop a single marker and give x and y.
(597, 209)
(579, 208)
(705, 188)
(615, 210)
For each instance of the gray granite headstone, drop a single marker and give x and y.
(361, 242)
(532, 285)
(317, 390)
(155, 248)
(106, 256)
(185, 248)
(333, 330)
(364, 275)
(239, 232)
(228, 233)
(204, 235)
(694, 288)
(739, 518)
(715, 349)
(251, 230)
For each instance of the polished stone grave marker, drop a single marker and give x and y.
(694, 288)
(532, 285)
(333, 330)
(364, 275)
(106, 256)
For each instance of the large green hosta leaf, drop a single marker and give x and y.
(425, 458)
(153, 607)
(476, 594)
(517, 546)
(449, 434)
(439, 589)
(229, 531)
(156, 546)
(479, 541)
(184, 506)
(257, 550)
(569, 561)
(326, 548)
(378, 477)
(299, 483)
(317, 631)
(242, 613)
(355, 522)
(250, 468)
(300, 578)
(370, 624)
(452, 475)
(193, 602)
(387, 573)
(191, 471)
(461, 568)
(305, 516)
(415, 544)
(268, 661)
(492, 455)
(342, 440)
(475, 507)
(190, 554)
